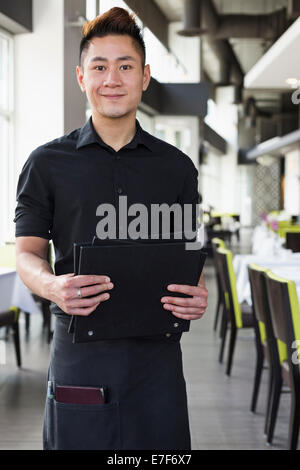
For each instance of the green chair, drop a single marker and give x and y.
(283, 229)
(285, 314)
(10, 318)
(266, 342)
(238, 316)
(218, 243)
(259, 305)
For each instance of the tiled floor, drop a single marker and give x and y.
(218, 405)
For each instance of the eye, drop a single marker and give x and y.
(126, 65)
(97, 67)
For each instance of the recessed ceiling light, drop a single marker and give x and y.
(293, 82)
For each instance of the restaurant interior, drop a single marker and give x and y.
(225, 90)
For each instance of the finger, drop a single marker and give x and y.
(196, 302)
(87, 280)
(187, 317)
(185, 289)
(184, 310)
(82, 311)
(93, 290)
(80, 303)
(183, 301)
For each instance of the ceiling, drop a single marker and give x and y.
(281, 62)
(247, 51)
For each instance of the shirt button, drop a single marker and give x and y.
(120, 190)
(90, 333)
(168, 335)
(176, 324)
(118, 157)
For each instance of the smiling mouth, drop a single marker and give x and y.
(113, 97)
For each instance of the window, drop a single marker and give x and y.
(7, 186)
(91, 9)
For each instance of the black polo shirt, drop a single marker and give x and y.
(64, 181)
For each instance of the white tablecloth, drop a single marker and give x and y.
(288, 267)
(14, 293)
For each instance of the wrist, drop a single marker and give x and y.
(47, 282)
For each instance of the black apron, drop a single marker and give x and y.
(146, 405)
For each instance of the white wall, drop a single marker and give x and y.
(187, 50)
(39, 80)
(188, 126)
(210, 179)
(146, 121)
(292, 182)
(224, 184)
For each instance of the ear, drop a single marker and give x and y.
(80, 77)
(146, 77)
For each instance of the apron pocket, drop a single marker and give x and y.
(82, 427)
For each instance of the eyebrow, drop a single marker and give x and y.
(104, 59)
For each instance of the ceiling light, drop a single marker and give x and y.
(293, 82)
(266, 160)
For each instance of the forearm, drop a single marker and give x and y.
(35, 272)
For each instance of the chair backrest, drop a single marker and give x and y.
(228, 283)
(217, 243)
(261, 309)
(285, 314)
(282, 229)
(292, 241)
(259, 298)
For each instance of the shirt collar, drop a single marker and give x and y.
(88, 135)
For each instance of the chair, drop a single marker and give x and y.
(218, 243)
(10, 318)
(285, 314)
(292, 241)
(265, 339)
(282, 229)
(238, 316)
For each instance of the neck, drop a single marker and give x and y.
(115, 132)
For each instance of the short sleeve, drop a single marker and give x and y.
(34, 210)
(190, 193)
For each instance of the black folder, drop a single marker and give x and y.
(140, 271)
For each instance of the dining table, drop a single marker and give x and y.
(283, 264)
(14, 293)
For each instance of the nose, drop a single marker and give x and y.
(112, 78)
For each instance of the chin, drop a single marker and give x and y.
(112, 113)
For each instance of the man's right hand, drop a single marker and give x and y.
(63, 290)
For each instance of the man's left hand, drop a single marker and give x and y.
(191, 308)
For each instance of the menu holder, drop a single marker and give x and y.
(140, 270)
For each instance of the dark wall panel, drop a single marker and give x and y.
(178, 99)
(185, 98)
(18, 10)
(214, 139)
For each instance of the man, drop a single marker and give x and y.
(60, 187)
